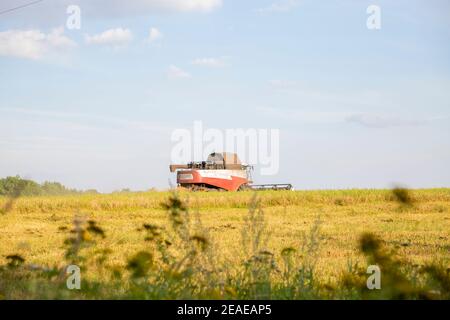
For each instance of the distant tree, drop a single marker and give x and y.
(124, 190)
(55, 188)
(17, 186)
(93, 191)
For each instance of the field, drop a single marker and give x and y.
(269, 244)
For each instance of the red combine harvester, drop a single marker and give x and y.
(221, 171)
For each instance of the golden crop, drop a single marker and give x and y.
(283, 222)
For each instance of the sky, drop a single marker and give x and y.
(95, 107)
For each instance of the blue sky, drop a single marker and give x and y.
(355, 107)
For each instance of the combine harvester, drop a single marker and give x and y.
(221, 172)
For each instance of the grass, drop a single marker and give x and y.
(279, 245)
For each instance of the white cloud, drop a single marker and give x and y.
(283, 84)
(113, 37)
(154, 35)
(370, 120)
(184, 5)
(47, 13)
(86, 120)
(304, 116)
(176, 73)
(384, 121)
(34, 44)
(280, 6)
(210, 62)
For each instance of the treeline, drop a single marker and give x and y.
(17, 186)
